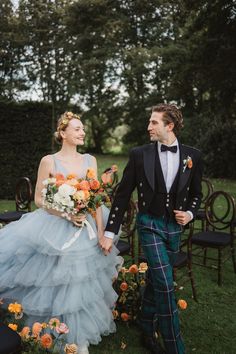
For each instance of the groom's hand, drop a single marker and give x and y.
(105, 244)
(182, 217)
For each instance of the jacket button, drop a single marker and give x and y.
(167, 205)
(116, 208)
(144, 203)
(141, 195)
(113, 215)
(111, 222)
(180, 208)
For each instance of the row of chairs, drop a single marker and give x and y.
(213, 228)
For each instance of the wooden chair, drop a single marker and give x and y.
(10, 341)
(23, 198)
(219, 233)
(207, 190)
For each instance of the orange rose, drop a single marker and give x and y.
(36, 329)
(59, 176)
(25, 332)
(91, 173)
(86, 194)
(94, 184)
(124, 316)
(182, 304)
(84, 185)
(60, 179)
(46, 341)
(133, 269)
(13, 326)
(124, 286)
(106, 178)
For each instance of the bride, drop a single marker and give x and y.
(74, 284)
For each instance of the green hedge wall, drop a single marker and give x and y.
(26, 131)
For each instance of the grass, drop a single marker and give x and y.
(208, 327)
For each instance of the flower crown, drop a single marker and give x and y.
(66, 117)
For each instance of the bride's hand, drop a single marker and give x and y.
(78, 219)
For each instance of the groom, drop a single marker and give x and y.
(168, 176)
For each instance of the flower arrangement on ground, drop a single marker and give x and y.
(41, 338)
(129, 286)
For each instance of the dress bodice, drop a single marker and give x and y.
(87, 162)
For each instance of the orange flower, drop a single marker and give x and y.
(106, 178)
(36, 329)
(25, 332)
(84, 185)
(124, 286)
(46, 341)
(13, 326)
(124, 316)
(71, 176)
(182, 304)
(72, 182)
(91, 173)
(15, 308)
(133, 269)
(94, 184)
(60, 179)
(190, 163)
(59, 176)
(143, 267)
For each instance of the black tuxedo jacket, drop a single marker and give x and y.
(140, 172)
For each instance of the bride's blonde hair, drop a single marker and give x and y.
(62, 124)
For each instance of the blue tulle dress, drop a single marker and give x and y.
(74, 285)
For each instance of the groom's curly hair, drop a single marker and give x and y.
(171, 114)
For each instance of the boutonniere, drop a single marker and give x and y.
(188, 162)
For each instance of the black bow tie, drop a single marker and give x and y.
(169, 148)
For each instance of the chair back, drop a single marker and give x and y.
(207, 190)
(220, 210)
(24, 194)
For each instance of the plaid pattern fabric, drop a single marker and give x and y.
(160, 242)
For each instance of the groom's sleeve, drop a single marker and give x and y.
(122, 197)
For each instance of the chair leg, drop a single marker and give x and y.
(190, 273)
(205, 256)
(233, 257)
(219, 268)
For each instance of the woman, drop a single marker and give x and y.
(75, 284)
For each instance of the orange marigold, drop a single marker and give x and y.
(133, 269)
(15, 308)
(46, 341)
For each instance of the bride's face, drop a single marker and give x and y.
(74, 133)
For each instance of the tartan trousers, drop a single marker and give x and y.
(160, 241)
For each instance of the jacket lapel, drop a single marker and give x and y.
(184, 173)
(149, 164)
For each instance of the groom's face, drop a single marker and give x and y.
(157, 129)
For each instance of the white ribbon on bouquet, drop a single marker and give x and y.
(91, 235)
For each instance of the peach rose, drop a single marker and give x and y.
(133, 269)
(84, 185)
(190, 163)
(72, 182)
(94, 184)
(79, 195)
(71, 349)
(115, 314)
(13, 326)
(182, 304)
(124, 316)
(124, 286)
(143, 267)
(46, 341)
(106, 178)
(62, 328)
(36, 329)
(25, 332)
(91, 173)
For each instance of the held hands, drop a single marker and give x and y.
(105, 243)
(182, 217)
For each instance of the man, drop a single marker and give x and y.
(168, 176)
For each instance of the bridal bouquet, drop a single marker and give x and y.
(71, 195)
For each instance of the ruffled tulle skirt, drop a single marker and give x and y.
(74, 284)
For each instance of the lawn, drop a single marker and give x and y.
(208, 326)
